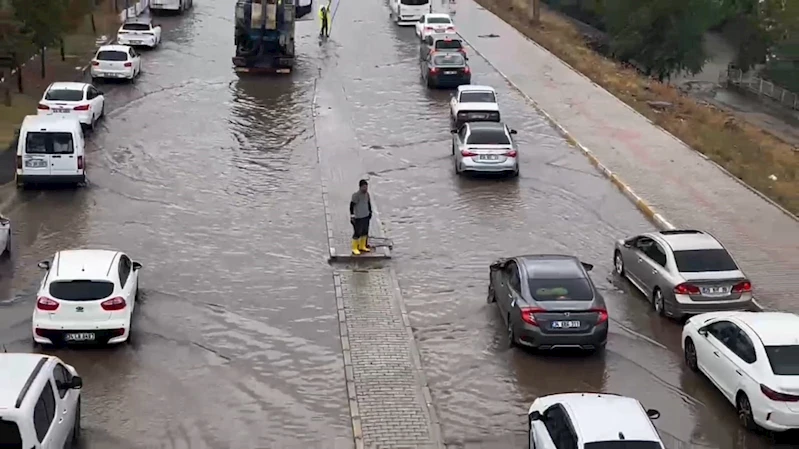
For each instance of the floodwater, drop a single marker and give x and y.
(212, 182)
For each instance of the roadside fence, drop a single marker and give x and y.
(759, 87)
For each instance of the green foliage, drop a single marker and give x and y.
(13, 39)
(662, 37)
(43, 19)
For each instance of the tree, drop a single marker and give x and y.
(43, 20)
(14, 42)
(780, 20)
(662, 37)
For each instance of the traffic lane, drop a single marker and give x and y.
(205, 179)
(447, 229)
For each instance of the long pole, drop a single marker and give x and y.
(535, 11)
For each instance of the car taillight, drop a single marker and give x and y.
(602, 315)
(42, 107)
(775, 396)
(528, 315)
(433, 70)
(128, 64)
(80, 162)
(114, 304)
(686, 289)
(46, 304)
(19, 162)
(467, 153)
(467, 70)
(511, 153)
(452, 29)
(95, 63)
(742, 287)
(428, 28)
(84, 107)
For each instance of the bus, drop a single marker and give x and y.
(177, 6)
(408, 12)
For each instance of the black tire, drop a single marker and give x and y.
(102, 110)
(453, 148)
(618, 263)
(511, 334)
(492, 295)
(744, 408)
(690, 356)
(658, 302)
(75, 443)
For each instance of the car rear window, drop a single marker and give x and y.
(81, 290)
(439, 20)
(623, 444)
(478, 97)
(449, 60)
(9, 435)
(561, 289)
(488, 137)
(784, 360)
(49, 143)
(136, 27)
(112, 55)
(64, 95)
(699, 260)
(449, 44)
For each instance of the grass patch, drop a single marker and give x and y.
(746, 151)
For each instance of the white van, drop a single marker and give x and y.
(408, 12)
(51, 149)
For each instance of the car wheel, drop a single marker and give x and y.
(511, 334)
(658, 302)
(102, 110)
(690, 356)
(8, 243)
(618, 263)
(76, 428)
(744, 408)
(457, 168)
(515, 173)
(492, 295)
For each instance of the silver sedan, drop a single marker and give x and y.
(683, 272)
(486, 147)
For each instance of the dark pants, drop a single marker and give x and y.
(325, 31)
(360, 228)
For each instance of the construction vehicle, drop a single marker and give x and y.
(264, 35)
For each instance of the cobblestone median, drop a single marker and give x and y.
(390, 403)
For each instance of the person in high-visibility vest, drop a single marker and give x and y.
(324, 15)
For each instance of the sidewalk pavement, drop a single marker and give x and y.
(672, 184)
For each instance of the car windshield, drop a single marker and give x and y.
(478, 97)
(449, 60)
(49, 143)
(136, 27)
(784, 360)
(700, 260)
(623, 444)
(64, 95)
(80, 290)
(112, 55)
(439, 20)
(488, 137)
(9, 435)
(414, 2)
(560, 289)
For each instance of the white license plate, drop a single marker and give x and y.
(482, 116)
(565, 324)
(83, 336)
(135, 42)
(61, 111)
(487, 157)
(450, 72)
(36, 163)
(717, 291)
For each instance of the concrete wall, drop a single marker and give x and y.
(136, 8)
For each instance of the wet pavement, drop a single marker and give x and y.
(213, 183)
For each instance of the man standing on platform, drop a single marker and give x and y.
(360, 216)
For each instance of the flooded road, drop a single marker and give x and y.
(212, 182)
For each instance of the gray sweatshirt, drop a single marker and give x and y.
(360, 205)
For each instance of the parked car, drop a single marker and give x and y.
(86, 296)
(445, 70)
(39, 402)
(116, 62)
(473, 103)
(434, 23)
(485, 147)
(753, 359)
(683, 272)
(5, 235)
(139, 32)
(591, 421)
(82, 100)
(51, 149)
(548, 301)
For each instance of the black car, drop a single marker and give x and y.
(441, 43)
(447, 69)
(548, 301)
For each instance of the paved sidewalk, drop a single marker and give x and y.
(680, 184)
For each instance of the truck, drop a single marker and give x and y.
(264, 35)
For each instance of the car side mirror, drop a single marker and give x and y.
(702, 332)
(137, 266)
(44, 265)
(76, 383)
(534, 416)
(513, 131)
(453, 131)
(587, 266)
(653, 414)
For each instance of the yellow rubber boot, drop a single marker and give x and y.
(362, 245)
(355, 250)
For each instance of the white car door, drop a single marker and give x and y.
(66, 398)
(95, 101)
(714, 361)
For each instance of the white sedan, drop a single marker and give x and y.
(5, 236)
(81, 100)
(753, 359)
(435, 23)
(116, 62)
(139, 32)
(86, 296)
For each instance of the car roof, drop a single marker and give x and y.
(92, 264)
(143, 20)
(481, 126)
(439, 15)
(603, 417)
(50, 123)
(475, 88)
(773, 328)
(15, 369)
(114, 47)
(689, 239)
(68, 85)
(552, 266)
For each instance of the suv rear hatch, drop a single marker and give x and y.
(113, 61)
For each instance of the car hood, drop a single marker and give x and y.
(490, 107)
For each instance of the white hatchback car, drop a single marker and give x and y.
(591, 420)
(5, 235)
(39, 402)
(87, 296)
(434, 23)
(82, 100)
(116, 62)
(139, 32)
(753, 359)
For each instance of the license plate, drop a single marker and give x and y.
(84, 336)
(36, 163)
(565, 324)
(488, 157)
(450, 72)
(717, 291)
(61, 111)
(483, 116)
